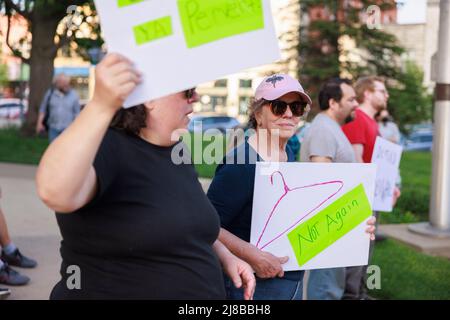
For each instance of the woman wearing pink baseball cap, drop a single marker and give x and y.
(279, 104)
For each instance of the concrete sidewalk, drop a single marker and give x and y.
(33, 229)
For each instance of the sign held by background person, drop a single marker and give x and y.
(386, 155)
(178, 44)
(315, 213)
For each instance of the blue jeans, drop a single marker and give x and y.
(326, 284)
(269, 289)
(53, 134)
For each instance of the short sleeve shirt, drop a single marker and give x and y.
(147, 234)
(326, 139)
(362, 130)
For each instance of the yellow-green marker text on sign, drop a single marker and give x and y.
(205, 21)
(124, 3)
(326, 227)
(153, 30)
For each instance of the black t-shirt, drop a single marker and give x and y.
(147, 234)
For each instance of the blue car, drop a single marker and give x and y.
(419, 141)
(203, 123)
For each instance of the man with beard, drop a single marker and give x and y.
(325, 142)
(362, 132)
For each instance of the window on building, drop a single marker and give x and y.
(216, 104)
(245, 83)
(222, 83)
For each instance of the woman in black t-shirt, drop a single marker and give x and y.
(134, 224)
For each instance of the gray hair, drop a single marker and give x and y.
(60, 76)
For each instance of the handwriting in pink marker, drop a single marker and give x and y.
(287, 190)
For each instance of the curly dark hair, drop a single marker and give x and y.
(130, 120)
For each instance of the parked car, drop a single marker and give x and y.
(12, 108)
(421, 140)
(201, 123)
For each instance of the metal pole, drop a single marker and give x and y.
(439, 225)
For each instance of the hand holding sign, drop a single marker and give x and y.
(266, 265)
(371, 229)
(115, 79)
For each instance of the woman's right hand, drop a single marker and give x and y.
(266, 265)
(115, 79)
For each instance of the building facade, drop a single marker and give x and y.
(420, 41)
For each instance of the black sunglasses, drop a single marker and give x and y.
(189, 93)
(279, 107)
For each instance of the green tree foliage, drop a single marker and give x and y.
(410, 102)
(54, 25)
(3, 74)
(321, 48)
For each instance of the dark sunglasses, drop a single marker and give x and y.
(189, 93)
(279, 107)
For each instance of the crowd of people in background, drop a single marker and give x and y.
(144, 229)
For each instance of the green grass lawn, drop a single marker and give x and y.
(204, 147)
(413, 205)
(15, 148)
(405, 273)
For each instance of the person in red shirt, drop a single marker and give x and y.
(362, 132)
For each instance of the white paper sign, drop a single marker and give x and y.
(386, 155)
(315, 213)
(178, 44)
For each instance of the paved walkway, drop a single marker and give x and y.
(431, 246)
(32, 227)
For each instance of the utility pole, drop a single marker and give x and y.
(439, 224)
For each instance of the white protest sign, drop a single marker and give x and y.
(178, 44)
(315, 213)
(386, 155)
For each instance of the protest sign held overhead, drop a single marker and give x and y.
(178, 44)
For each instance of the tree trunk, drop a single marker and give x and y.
(43, 52)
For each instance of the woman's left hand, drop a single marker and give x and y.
(371, 229)
(241, 274)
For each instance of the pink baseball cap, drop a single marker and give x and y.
(277, 85)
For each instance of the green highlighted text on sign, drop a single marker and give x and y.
(326, 227)
(153, 30)
(205, 21)
(124, 3)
